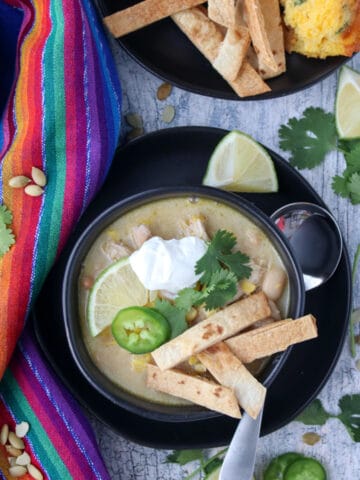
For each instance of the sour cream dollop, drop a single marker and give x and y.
(168, 264)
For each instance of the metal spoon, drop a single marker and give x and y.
(317, 243)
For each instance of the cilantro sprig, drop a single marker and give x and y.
(310, 138)
(315, 414)
(7, 238)
(220, 269)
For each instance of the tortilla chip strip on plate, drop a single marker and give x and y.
(259, 36)
(273, 338)
(228, 370)
(197, 390)
(207, 36)
(144, 13)
(223, 324)
(232, 52)
(223, 12)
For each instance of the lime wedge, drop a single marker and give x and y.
(347, 108)
(240, 164)
(117, 287)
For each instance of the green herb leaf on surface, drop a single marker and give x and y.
(339, 185)
(353, 186)
(309, 138)
(174, 315)
(6, 217)
(314, 414)
(350, 415)
(182, 457)
(7, 239)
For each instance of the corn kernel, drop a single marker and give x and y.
(191, 315)
(200, 368)
(247, 287)
(113, 235)
(139, 362)
(193, 360)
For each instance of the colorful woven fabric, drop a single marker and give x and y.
(61, 113)
(63, 117)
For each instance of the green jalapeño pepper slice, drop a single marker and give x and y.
(140, 329)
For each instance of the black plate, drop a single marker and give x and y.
(165, 51)
(179, 156)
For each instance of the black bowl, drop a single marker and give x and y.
(78, 349)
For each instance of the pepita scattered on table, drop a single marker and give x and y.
(34, 190)
(134, 120)
(168, 114)
(134, 133)
(311, 438)
(164, 91)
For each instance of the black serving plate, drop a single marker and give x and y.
(179, 156)
(165, 51)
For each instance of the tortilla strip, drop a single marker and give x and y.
(232, 53)
(275, 34)
(273, 338)
(256, 23)
(230, 372)
(197, 390)
(222, 324)
(207, 36)
(144, 13)
(222, 12)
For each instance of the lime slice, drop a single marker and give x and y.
(240, 164)
(347, 108)
(117, 287)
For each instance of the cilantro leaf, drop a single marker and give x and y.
(350, 415)
(7, 239)
(353, 186)
(5, 215)
(174, 315)
(218, 253)
(309, 138)
(187, 297)
(314, 414)
(348, 145)
(222, 288)
(182, 457)
(352, 157)
(237, 263)
(339, 185)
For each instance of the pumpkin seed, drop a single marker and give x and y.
(14, 452)
(311, 438)
(17, 471)
(168, 114)
(23, 459)
(164, 91)
(38, 176)
(19, 181)
(33, 190)
(12, 461)
(21, 429)
(134, 133)
(4, 434)
(16, 441)
(34, 472)
(134, 120)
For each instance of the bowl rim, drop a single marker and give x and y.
(81, 247)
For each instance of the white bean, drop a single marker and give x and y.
(274, 283)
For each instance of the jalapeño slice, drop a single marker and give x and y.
(140, 329)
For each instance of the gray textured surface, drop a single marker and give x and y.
(336, 450)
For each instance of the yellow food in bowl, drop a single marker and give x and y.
(322, 28)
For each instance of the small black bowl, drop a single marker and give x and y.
(94, 376)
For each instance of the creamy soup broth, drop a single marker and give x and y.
(164, 218)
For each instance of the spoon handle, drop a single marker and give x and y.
(239, 460)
